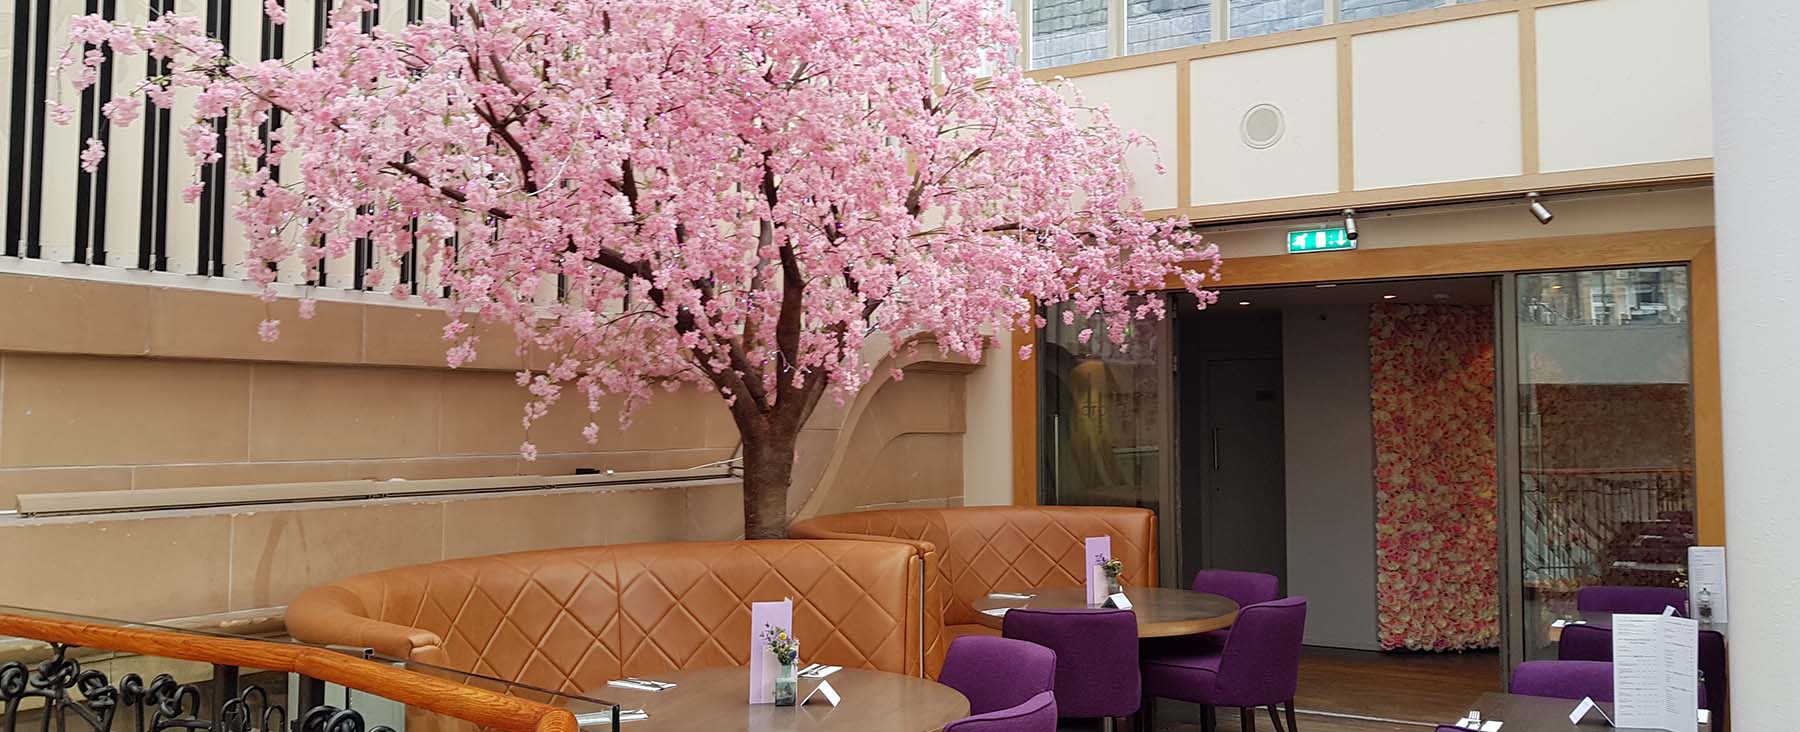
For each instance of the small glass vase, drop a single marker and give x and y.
(1112, 585)
(787, 685)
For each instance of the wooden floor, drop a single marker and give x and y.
(1363, 691)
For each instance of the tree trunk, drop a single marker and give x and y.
(768, 469)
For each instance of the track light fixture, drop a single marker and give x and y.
(1538, 210)
(1350, 223)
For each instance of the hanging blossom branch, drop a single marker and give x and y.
(734, 192)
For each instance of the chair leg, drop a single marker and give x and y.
(1146, 716)
(1247, 719)
(1209, 719)
(1293, 726)
(1106, 724)
(1274, 718)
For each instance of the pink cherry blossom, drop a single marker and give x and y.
(733, 193)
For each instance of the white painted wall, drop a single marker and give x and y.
(1437, 103)
(1301, 81)
(1142, 100)
(1756, 106)
(1330, 471)
(1622, 82)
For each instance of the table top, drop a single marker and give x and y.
(718, 699)
(1542, 714)
(1161, 611)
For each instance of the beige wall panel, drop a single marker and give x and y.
(325, 412)
(72, 410)
(136, 568)
(1623, 82)
(196, 323)
(432, 468)
(185, 476)
(73, 316)
(642, 514)
(621, 461)
(523, 523)
(987, 444)
(415, 337)
(483, 413)
(715, 512)
(275, 555)
(53, 480)
(1143, 100)
(1301, 81)
(1437, 103)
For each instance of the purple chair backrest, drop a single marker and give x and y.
(1262, 654)
(1584, 643)
(1592, 643)
(997, 673)
(1639, 600)
(1246, 588)
(1564, 679)
(1096, 657)
(1037, 714)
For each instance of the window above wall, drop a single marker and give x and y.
(1064, 32)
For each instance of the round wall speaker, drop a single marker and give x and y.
(1263, 126)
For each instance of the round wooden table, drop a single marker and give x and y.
(718, 699)
(1161, 611)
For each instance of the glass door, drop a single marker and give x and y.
(1600, 455)
(1104, 429)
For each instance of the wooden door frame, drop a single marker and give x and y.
(1693, 247)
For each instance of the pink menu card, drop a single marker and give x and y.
(762, 661)
(1099, 549)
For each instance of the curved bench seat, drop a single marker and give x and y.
(572, 619)
(970, 552)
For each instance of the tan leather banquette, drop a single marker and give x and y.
(970, 552)
(571, 619)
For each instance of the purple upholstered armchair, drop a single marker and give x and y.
(1246, 588)
(1037, 714)
(1638, 600)
(1571, 680)
(1258, 667)
(1594, 643)
(998, 674)
(1096, 657)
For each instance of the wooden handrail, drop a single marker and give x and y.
(479, 706)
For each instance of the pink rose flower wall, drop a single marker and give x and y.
(1432, 393)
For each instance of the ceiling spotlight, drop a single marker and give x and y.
(1243, 302)
(1538, 210)
(1389, 297)
(1350, 223)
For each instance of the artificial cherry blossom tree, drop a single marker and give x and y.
(733, 193)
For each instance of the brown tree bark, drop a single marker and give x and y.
(768, 472)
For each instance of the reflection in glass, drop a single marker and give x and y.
(1154, 25)
(1349, 10)
(1606, 443)
(1261, 17)
(1067, 32)
(1103, 430)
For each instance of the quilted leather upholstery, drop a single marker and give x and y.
(970, 552)
(571, 619)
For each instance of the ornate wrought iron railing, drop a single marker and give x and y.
(72, 674)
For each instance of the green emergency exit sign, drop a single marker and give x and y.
(1319, 240)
